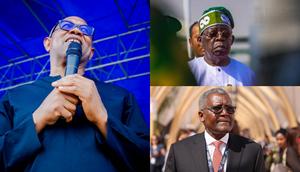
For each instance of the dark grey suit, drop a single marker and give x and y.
(189, 155)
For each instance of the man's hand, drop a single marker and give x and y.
(55, 105)
(87, 92)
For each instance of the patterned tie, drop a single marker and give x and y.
(217, 155)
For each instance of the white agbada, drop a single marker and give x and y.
(234, 74)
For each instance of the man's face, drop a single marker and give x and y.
(217, 124)
(60, 40)
(216, 41)
(195, 42)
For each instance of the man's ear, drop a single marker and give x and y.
(201, 115)
(190, 41)
(47, 43)
(232, 39)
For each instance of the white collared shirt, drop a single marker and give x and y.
(211, 148)
(234, 74)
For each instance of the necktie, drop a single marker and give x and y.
(217, 155)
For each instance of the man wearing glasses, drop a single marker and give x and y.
(217, 68)
(71, 123)
(216, 149)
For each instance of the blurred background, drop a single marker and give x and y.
(121, 41)
(261, 111)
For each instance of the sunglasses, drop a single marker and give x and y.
(219, 109)
(68, 25)
(214, 33)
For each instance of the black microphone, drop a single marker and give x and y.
(74, 53)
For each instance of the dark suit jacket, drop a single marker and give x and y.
(292, 159)
(189, 155)
(76, 146)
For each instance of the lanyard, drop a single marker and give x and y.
(210, 164)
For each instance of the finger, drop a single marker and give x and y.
(66, 114)
(69, 90)
(70, 107)
(70, 97)
(66, 81)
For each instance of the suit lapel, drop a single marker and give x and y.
(235, 154)
(199, 153)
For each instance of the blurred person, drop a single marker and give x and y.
(71, 123)
(157, 154)
(168, 67)
(194, 32)
(294, 135)
(275, 42)
(216, 149)
(217, 68)
(285, 157)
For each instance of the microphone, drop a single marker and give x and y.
(74, 53)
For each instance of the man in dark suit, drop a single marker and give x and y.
(215, 149)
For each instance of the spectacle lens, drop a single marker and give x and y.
(219, 109)
(68, 25)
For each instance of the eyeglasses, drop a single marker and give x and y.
(68, 25)
(214, 34)
(219, 109)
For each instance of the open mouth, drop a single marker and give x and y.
(69, 40)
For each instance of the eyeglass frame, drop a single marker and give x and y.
(223, 107)
(76, 26)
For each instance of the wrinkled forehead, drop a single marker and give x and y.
(76, 20)
(217, 98)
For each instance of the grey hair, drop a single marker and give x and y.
(203, 98)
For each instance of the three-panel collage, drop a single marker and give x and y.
(149, 86)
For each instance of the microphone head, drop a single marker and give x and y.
(74, 48)
(74, 53)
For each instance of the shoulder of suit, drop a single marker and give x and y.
(189, 140)
(243, 140)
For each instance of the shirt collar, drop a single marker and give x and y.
(209, 139)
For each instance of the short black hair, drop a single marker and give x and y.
(282, 131)
(191, 27)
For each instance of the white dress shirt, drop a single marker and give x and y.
(234, 74)
(211, 148)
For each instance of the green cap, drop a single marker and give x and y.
(215, 16)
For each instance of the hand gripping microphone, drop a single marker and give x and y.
(74, 53)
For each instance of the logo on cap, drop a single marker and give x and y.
(204, 22)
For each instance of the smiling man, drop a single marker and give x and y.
(217, 68)
(71, 123)
(216, 149)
